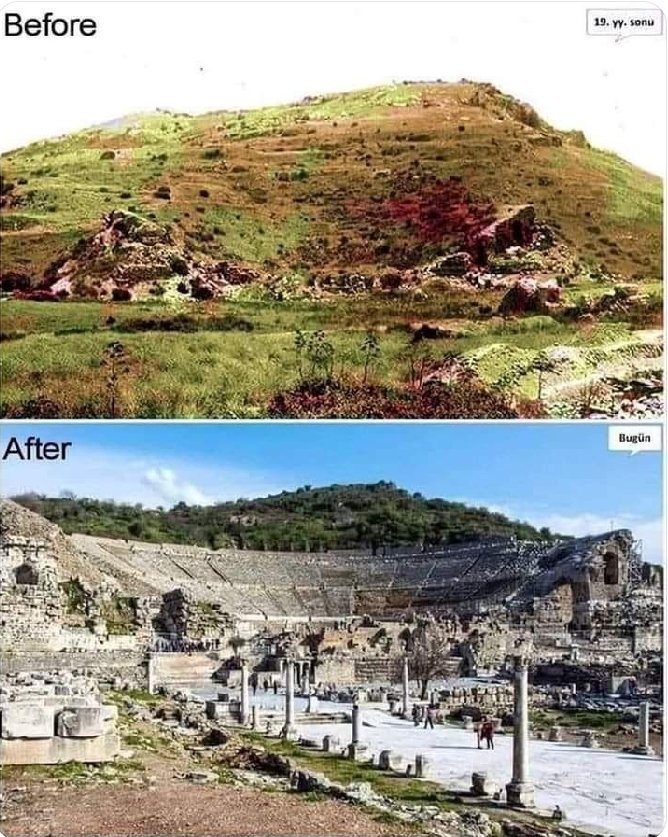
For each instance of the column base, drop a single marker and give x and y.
(289, 732)
(357, 751)
(520, 795)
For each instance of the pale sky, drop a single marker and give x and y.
(201, 56)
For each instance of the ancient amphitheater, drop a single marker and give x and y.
(468, 578)
(590, 597)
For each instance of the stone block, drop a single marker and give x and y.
(422, 767)
(556, 734)
(589, 740)
(389, 760)
(520, 795)
(56, 750)
(331, 744)
(109, 712)
(216, 710)
(27, 721)
(357, 752)
(289, 732)
(80, 722)
(482, 785)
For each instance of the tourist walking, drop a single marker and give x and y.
(487, 732)
(430, 717)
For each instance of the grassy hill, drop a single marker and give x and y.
(296, 188)
(324, 217)
(331, 517)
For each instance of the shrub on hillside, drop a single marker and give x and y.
(331, 399)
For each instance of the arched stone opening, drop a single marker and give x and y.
(27, 574)
(611, 571)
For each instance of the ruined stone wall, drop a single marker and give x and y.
(108, 667)
(338, 669)
(347, 610)
(174, 669)
(30, 601)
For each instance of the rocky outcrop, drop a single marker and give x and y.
(514, 227)
(130, 258)
(528, 296)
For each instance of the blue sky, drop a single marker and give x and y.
(559, 475)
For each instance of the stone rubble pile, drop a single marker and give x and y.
(54, 718)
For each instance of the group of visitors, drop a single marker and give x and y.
(164, 644)
(266, 684)
(426, 715)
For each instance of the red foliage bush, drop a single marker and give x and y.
(459, 400)
(37, 296)
(436, 212)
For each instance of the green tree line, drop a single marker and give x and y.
(309, 519)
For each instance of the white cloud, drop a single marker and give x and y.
(134, 478)
(648, 530)
(173, 489)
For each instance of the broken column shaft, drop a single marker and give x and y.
(357, 723)
(405, 708)
(643, 747)
(519, 791)
(244, 709)
(289, 728)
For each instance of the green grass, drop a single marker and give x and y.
(399, 789)
(137, 695)
(633, 195)
(208, 372)
(251, 238)
(576, 719)
(77, 773)
(332, 148)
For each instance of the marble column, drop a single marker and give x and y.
(519, 791)
(289, 728)
(643, 747)
(405, 708)
(357, 723)
(150, 673)
(244, 709)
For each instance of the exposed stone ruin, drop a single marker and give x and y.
(587, 602)
(56, 717)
